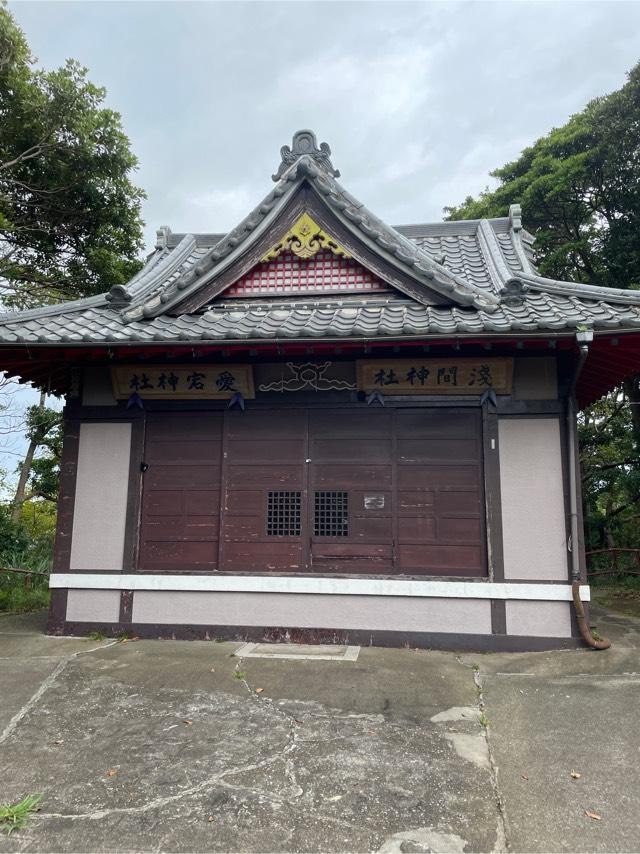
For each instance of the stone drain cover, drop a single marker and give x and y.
(299, 651)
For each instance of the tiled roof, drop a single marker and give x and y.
(482, 269)
(306, 318)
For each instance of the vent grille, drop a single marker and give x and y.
(331, 514)
(283, 514)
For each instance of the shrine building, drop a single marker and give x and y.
(318, 427)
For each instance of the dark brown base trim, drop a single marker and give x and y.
(423, 640)
(56, 623)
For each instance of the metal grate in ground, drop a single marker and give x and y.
(299, 651)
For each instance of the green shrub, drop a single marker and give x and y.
(26, 545)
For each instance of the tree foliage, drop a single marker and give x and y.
(579, 187)
(44, 428)
(70, 227)
(610, 474)
(70, 221)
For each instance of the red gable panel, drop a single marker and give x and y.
(288, 274)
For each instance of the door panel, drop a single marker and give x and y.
(263, 520)
(351, 455)
(180, 514)
(441, 527)
(351, 558)
(440, 560)
(350, 476)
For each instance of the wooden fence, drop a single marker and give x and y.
(29, 574)
(613, 561)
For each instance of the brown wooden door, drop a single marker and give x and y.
(369, 491)
(264, 488)
(181, 492)
(351, 485)
(440, 495)
(396, 491)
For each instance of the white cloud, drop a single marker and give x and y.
(220, 206)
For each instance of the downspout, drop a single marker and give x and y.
(583, 340)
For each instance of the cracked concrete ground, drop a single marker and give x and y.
(167, 746)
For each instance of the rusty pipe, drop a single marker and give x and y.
(583, 339)
(583, 623)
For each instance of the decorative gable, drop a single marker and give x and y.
(307, 213)
(305, 238)
(292, 274)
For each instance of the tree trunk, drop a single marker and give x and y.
(25, 471)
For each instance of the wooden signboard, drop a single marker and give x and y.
(182, 382)
(435, 376)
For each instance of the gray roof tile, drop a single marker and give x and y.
(392, 317)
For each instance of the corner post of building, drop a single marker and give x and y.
(137, 469)
(493, 509)
(66, 503)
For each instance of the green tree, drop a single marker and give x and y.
(70, 221)
(610, 473)
(43, 430)
(579, 187)
(38, 473)
(45, 469)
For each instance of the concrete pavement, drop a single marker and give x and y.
(169, 746)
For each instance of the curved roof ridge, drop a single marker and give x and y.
(137, 288)
(67, 307)
(494, 259)
(219, 256)
(583, 291)
(397, 245)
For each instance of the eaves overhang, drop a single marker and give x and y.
(613, 355)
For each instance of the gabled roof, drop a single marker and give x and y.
(419, 275)
(449, 278)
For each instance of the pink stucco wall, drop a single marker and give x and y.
(539, 619)
(100, 506)
(382, 613)
(93, 606)
(533, 510)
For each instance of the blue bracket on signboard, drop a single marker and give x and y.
(236, 400)
(375, 397)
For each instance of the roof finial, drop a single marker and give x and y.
(304, 142)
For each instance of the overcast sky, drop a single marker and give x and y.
(418, 101)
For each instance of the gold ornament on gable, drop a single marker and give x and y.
(305, 239)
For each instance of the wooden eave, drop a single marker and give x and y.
(612, 358)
